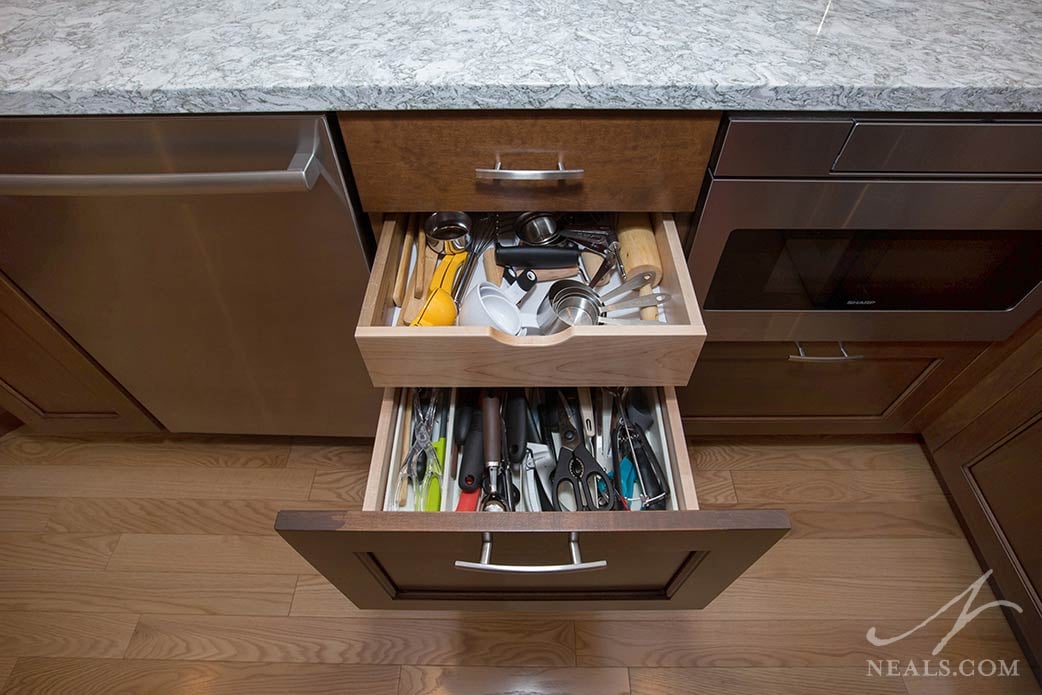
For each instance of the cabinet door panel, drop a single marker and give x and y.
(48, 383)
(1010, 483)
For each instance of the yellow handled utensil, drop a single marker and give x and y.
(440, 309)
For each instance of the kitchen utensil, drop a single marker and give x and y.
(537, 228)
(578, 475)
(487, 305)
(420, 271)
(567, 303)
(448, 229)
(492, 432)
(440, 307)
(408, 244)
(485, 233)
(414, 305)
(516, 420)
(608, 261)
(401, 491)
(630, 441)
(551, 274)
(471, 467)
(536, 469)
(652, 300)
(537, 256)
(432, 500)
(493, 271)
(635, 282)
(423, 427)
(639, 252)
(520, 286)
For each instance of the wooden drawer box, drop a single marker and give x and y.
(619, 161)
(768, 388)
(662, 355)
(680, 558)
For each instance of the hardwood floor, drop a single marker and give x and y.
(149, 564)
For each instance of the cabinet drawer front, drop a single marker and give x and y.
(746, 388)
(639, 559)
(428, 161)
(482, 356)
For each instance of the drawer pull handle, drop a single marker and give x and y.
(486, 564)
(501, 174)
(844, 356)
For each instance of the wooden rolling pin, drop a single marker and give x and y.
(639, 253)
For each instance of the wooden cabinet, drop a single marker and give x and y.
(682, 557)
(987, 446)
(771, 388)
(48, 382)
(650, 161)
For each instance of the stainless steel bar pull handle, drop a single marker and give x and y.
(500, 174)
(300, 175)
(486, 564)
(844, 356)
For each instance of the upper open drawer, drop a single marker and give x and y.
(658, 354)
(556, 160)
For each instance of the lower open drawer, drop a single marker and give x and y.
(681, 557)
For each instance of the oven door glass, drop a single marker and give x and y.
(848, 270)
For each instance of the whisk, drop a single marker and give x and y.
(487, 229)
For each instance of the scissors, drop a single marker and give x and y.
(578, 472)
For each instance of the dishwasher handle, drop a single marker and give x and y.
(299, 176)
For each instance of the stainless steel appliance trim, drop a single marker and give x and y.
(485, 564)
(299, 176)
(500, 174)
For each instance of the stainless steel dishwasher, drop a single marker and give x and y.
(212, 265)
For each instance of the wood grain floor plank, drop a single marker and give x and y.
(714, 487)
(442, 680)
(777, 643)
(316, 597)
(344, 454)
(146, 592)
(471, 642)
(178, 516)
(1021, 684)
(6, 665)
(189, 482)
(756, 681)
(862, 558)
(868, 598)
(344, 489)
(140, 450)
(57, 551)
(137, 552)
(111, 677)
(806, 453)
(104, 636)
(25, 513)
(782, 487)
(884, 520)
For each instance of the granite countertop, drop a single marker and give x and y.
(191, 56)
